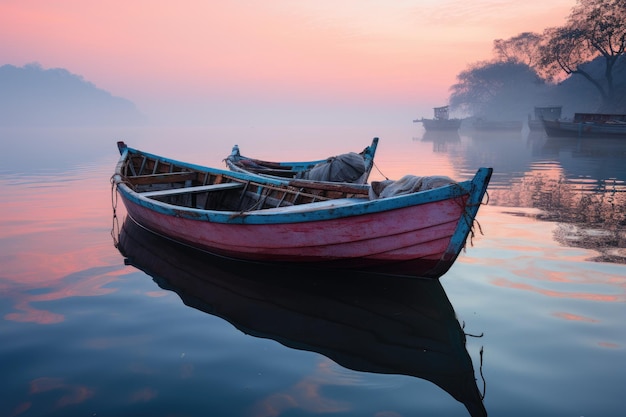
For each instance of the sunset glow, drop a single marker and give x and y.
(403, 54)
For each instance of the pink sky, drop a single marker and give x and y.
(400, 54)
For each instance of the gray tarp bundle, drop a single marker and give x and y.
(406, 185)
(347, 167)
(350, 167)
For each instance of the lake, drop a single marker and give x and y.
(530, 317)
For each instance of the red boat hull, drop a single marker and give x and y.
(413, 238)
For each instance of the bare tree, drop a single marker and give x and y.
(523, 48)
(595, 30)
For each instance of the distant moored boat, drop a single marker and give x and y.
(543, 113)
(588, 125)
(441, 121)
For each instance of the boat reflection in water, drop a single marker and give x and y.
(365, 323)
(441, 139)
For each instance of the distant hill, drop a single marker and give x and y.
(33, 96)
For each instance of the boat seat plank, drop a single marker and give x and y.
(327, 204)
(362, 189)
(163, 178)
(198, 189)
(272, 171)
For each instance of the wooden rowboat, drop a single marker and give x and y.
(244, 216)
(375, 324)
(441, 121)
(543, 113)
(350, 167)
(588, 125)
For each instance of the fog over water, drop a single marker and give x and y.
(83, 332)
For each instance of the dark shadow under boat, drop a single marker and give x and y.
(363, 322)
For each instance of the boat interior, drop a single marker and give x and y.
(181, 185)
(270, 168)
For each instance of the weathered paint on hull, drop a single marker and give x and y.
(413, 238)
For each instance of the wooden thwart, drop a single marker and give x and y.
(163, 178)
(328, 186)
(198, 189)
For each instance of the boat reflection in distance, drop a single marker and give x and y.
(366, 323)
(441, 139)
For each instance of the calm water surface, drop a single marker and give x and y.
(539, 296)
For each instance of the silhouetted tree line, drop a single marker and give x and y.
(579, 65)
(32, 96)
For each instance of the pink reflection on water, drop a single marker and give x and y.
(304, 395)
(574, 317)
(89, 286)
(609, 345)
(60, 244)
(72, 394)
(21, 408)
(143, 395)
(519, 251)
(503, 282)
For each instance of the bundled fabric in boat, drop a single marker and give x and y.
(407, 185)
(347, 167)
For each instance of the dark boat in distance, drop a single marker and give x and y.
(441, 121)
(352, 167)
(543, 113)
(588, 125)
(359, 321)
